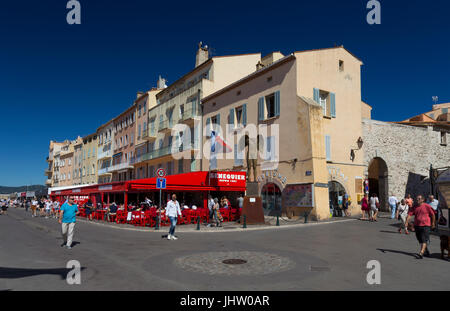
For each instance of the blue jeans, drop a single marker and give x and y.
(393, 210)
(173, 224)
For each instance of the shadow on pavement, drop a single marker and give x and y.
(397, 252)
(17, 273)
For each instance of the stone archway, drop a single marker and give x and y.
(378, 181)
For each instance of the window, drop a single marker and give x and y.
(139, 113)
(169, 168)
(444, 138)
(270, 106)
(181, 111)
(139, 131)
(239, 112)
(341, 65)
(327, 101)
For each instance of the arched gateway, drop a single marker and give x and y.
(378, 181)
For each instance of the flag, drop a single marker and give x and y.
(216, 140)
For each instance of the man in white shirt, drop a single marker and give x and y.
(393, 202)
(48, 208)
(173, 211)
(210, 207)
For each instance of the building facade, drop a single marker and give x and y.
(89, 160)
(105, 150)
(179, 104)
(124, 145)
(311, 103)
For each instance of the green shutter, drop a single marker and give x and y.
(261, 108)
(231, 118)
(244, 115)
(208, 129)
(316, 96)
(277, 103)
(333, 105)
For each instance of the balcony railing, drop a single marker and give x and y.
(121, 166)
(104, 154)
(165, 125)
(158, 153)
(189, 114)
(104, 171)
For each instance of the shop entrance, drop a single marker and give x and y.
(336, 194)
(378, 181)
(271, 199)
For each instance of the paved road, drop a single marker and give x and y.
(329, 256)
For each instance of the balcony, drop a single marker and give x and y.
(104, 171)
(162, 152)
(48, 182)
(188, 116)
(165, 126)
(121, 167)
(104, 154)
(48, 172)
(149, 134)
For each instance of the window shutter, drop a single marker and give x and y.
(261, 108)
(208, 129)
(231, 118)
(277, 103)
(218, 119)
(328, 147)
(333, 105)
(244, 115)
(316, 96)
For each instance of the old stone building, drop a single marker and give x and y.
(398, 156)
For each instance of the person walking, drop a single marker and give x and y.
(402, 215)
(434, 205)
(217, 216)
(210, 207)
(374, 204)
(41, 207)
(48, 208)
(173, 210)
(365, 208)
(424, 219)
(393, 202)
(67, 219)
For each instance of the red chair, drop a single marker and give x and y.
(82, 212)
(121, 217)
(149, 218)
(235, 214)
(225, 212)
(137, 218)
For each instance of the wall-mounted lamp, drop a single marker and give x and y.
(360, 142)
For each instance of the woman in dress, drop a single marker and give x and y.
(217, 216)
(365, 207)
(402, 214)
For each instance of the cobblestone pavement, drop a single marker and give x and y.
(331, 256)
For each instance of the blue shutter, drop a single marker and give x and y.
(231, 118)
(208, 129)
(316, 96)
(277, 103)
(333, 105)
(244, 115)
(261, 108)
(444, 110)
(328, 147)
(218, 119)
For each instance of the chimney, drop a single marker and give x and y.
(139, 93)
(259, 66)
(202, 54)
(161, 84)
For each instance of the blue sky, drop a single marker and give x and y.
(58, 81)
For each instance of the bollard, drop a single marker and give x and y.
(306, 217)
(245, 221)
(157, 223)
(198, 223)
(278, 220)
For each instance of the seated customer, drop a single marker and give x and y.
(111, 211)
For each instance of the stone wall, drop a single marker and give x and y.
(408, 152)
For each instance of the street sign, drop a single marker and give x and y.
(161, 173)
(160, 183)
